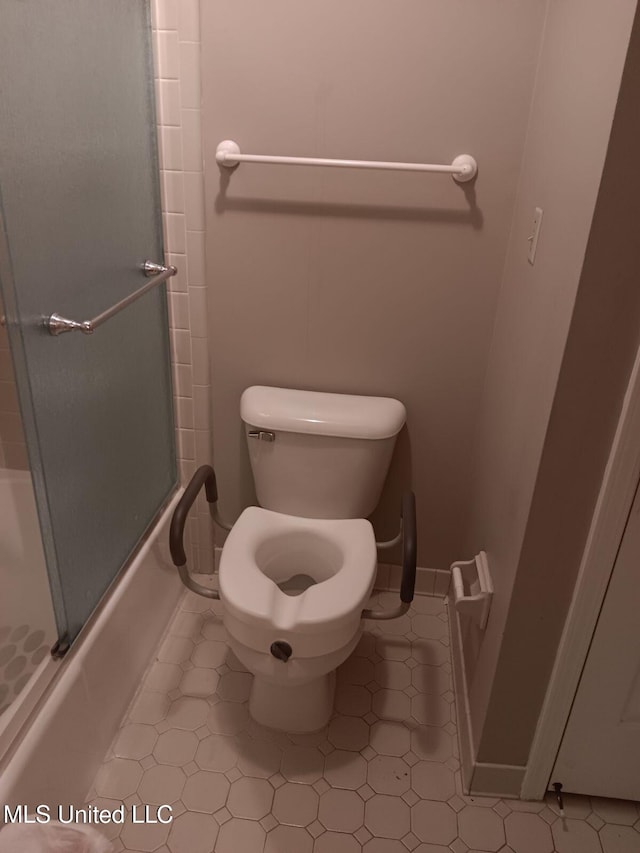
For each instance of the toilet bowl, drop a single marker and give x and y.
(296, 572)
(293, 591)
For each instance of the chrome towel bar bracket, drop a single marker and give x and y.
(156, 273)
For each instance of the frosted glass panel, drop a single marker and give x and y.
(80, 200)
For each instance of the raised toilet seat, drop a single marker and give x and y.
(300, 580)
(294, 590)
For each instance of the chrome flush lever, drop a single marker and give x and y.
(262, 434)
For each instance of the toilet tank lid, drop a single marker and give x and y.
(340, 415)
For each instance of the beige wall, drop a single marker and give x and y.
(364, 282)
(409, 286)
(537, 468)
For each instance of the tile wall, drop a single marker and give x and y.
(176, 33)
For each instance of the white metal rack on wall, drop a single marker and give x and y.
(462, 169)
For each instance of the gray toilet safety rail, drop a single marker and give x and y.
(204, 476)
(409, 559)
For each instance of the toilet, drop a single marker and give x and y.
(297, 570)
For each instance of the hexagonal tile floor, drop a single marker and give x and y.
(382, 777)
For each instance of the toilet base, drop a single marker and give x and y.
(299, 708)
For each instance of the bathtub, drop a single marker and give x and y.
(64, 733)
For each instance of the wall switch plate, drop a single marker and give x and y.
(535, 233)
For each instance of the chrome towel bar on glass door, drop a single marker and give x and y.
(464, 168)
(56, 325)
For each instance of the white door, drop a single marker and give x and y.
(600, 750)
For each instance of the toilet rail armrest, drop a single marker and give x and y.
(409, 559)
(204, 476)
(409, 548)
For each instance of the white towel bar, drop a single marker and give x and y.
(464, 168)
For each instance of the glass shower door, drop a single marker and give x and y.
(80, 214)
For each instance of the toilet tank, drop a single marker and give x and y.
(318, 455)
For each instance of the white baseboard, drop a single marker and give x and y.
(497, 780)
(428, 581)
(478, 778)
(460, 687)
